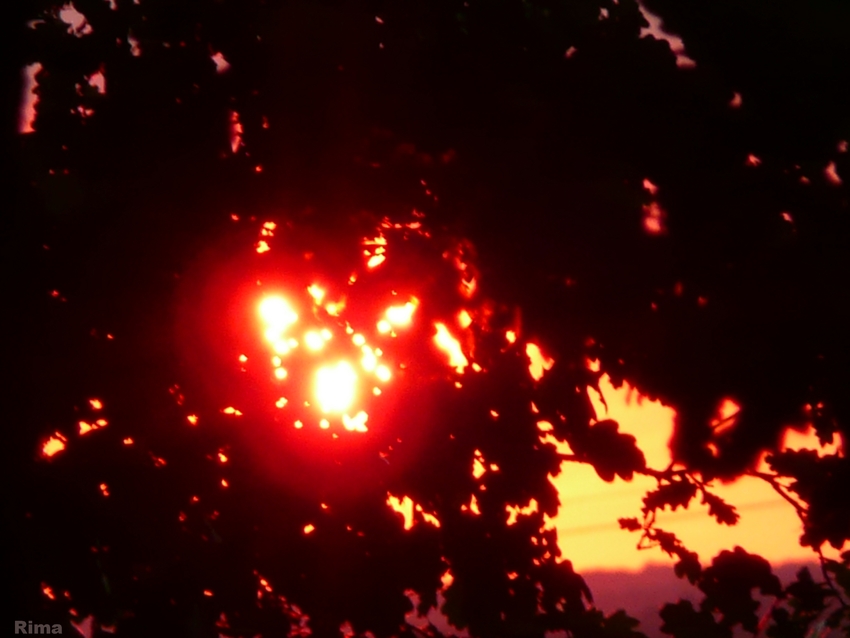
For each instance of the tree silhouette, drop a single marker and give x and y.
(539, 165)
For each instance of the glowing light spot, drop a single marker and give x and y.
(96, 404)
(263, 246)
(316, 293)
(752, 160)
(653, 219)
(53, 445)
(48, 592)
(376, 391)
(736, 100)
(545, 426)
(278, 316)
(403, 506)
(369, 360)
(280, 403)
(104, 489)
(221, 64)
(428, 518)
(298, 425)
(76, 21)
(334, 308)
(494, 414)
(242, 358)
(538, 363)
(384, 326)
(192, 419)
(375, 261)
(473, 506)
(468, 287)
(85, 428)
(478, 468)
(207, 592)
(335, 387)
(280, 373)
(383, 373)
(231, 410)
(314, 341)
(464, 319)
(222, 457)
(224, 483)
(831, 174)
(446, 342)
(356, 423)
(235, 132)
(510, 335)
(358, 340)
(135, 48)
(515, 511)
(324, 424)
(309, 528)
(400, 315)
(327, 335)
(276, 361)
(725, 420)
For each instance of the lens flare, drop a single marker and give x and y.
(335, 387)
(278, 316)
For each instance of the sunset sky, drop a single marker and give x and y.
(588, 532)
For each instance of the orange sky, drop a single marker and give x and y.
(588, 532)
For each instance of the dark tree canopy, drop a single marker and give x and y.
(542, 165)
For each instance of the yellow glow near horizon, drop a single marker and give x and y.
(588, 532)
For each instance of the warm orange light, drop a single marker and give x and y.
(53, 445)
(316, 293)
(231, 410)
(280, 373)
(464, 319)
(538, 363)
(128, 441)
(403, 506)
(510, 335)
(192, 419)
(478, 468)
(280, 402)
(384, 326)
(400, 315)
(222, 457)
(308, 529)
(383, 373)
(262, 246)
(96, 404)
(104, 489)
(446, 342)
(515, 511)
(375, 261)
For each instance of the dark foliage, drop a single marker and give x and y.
(535, 137)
